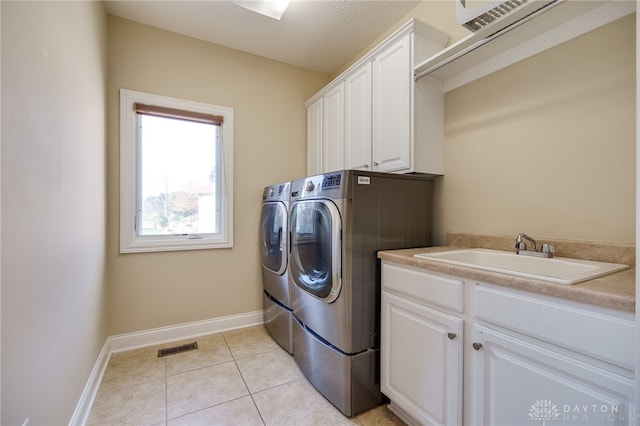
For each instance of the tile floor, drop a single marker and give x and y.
(239, 377)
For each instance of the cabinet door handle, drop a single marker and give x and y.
(375, 163)
(477, 346)
(366, 166)
(451, 336)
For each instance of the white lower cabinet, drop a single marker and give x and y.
(524, 358)
(422, 338)
(535, 358)
(516, 382)
(421, 368)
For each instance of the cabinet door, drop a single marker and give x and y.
(421, 361)
(516, 382)
(333, 130)
(392, 83)
(357, 144)
(314, 138)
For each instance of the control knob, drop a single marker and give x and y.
(309, 186)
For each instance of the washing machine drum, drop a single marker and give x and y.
(316, 248)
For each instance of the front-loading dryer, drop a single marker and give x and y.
(274, 254)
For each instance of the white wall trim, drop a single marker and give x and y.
(637, 399)
(156, 336)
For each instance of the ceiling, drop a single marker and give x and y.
(320, 35)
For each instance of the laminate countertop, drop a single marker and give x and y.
(615, 291)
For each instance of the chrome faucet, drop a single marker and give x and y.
(521, 247)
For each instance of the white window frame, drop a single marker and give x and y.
(130, 241)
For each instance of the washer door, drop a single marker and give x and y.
(315, 260)
(274, 241)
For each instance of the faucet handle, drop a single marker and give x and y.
(546, 248)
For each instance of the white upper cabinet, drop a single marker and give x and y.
(392, 84)
(357, 90)
(333, 129)
(314, 137)
(378, 130)
(325, 132)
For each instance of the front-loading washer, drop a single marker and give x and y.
(278, 318)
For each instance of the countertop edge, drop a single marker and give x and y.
(614, 291)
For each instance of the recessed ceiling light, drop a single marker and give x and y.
(271, 8)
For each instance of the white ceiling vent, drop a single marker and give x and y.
(475, 17)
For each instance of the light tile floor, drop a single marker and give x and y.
(239, 377)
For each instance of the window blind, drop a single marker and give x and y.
(178, 114)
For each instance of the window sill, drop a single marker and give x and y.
(177, 243)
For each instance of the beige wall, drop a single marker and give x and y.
(546, 146)
(440, 14)
(501, 177)
(53, 206)
(149, 290)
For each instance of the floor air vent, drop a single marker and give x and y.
(177, 349)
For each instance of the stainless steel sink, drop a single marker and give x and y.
(558, 269)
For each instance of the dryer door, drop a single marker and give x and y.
(315, 260)
(274, 241)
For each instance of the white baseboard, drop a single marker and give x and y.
(156, 336)
(83, 408)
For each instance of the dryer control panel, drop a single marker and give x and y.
(332, 181)
(329, 185)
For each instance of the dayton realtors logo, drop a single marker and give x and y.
(544, 410)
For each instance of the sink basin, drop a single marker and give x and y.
(557, 269)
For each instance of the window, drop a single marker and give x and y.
(176, 161)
